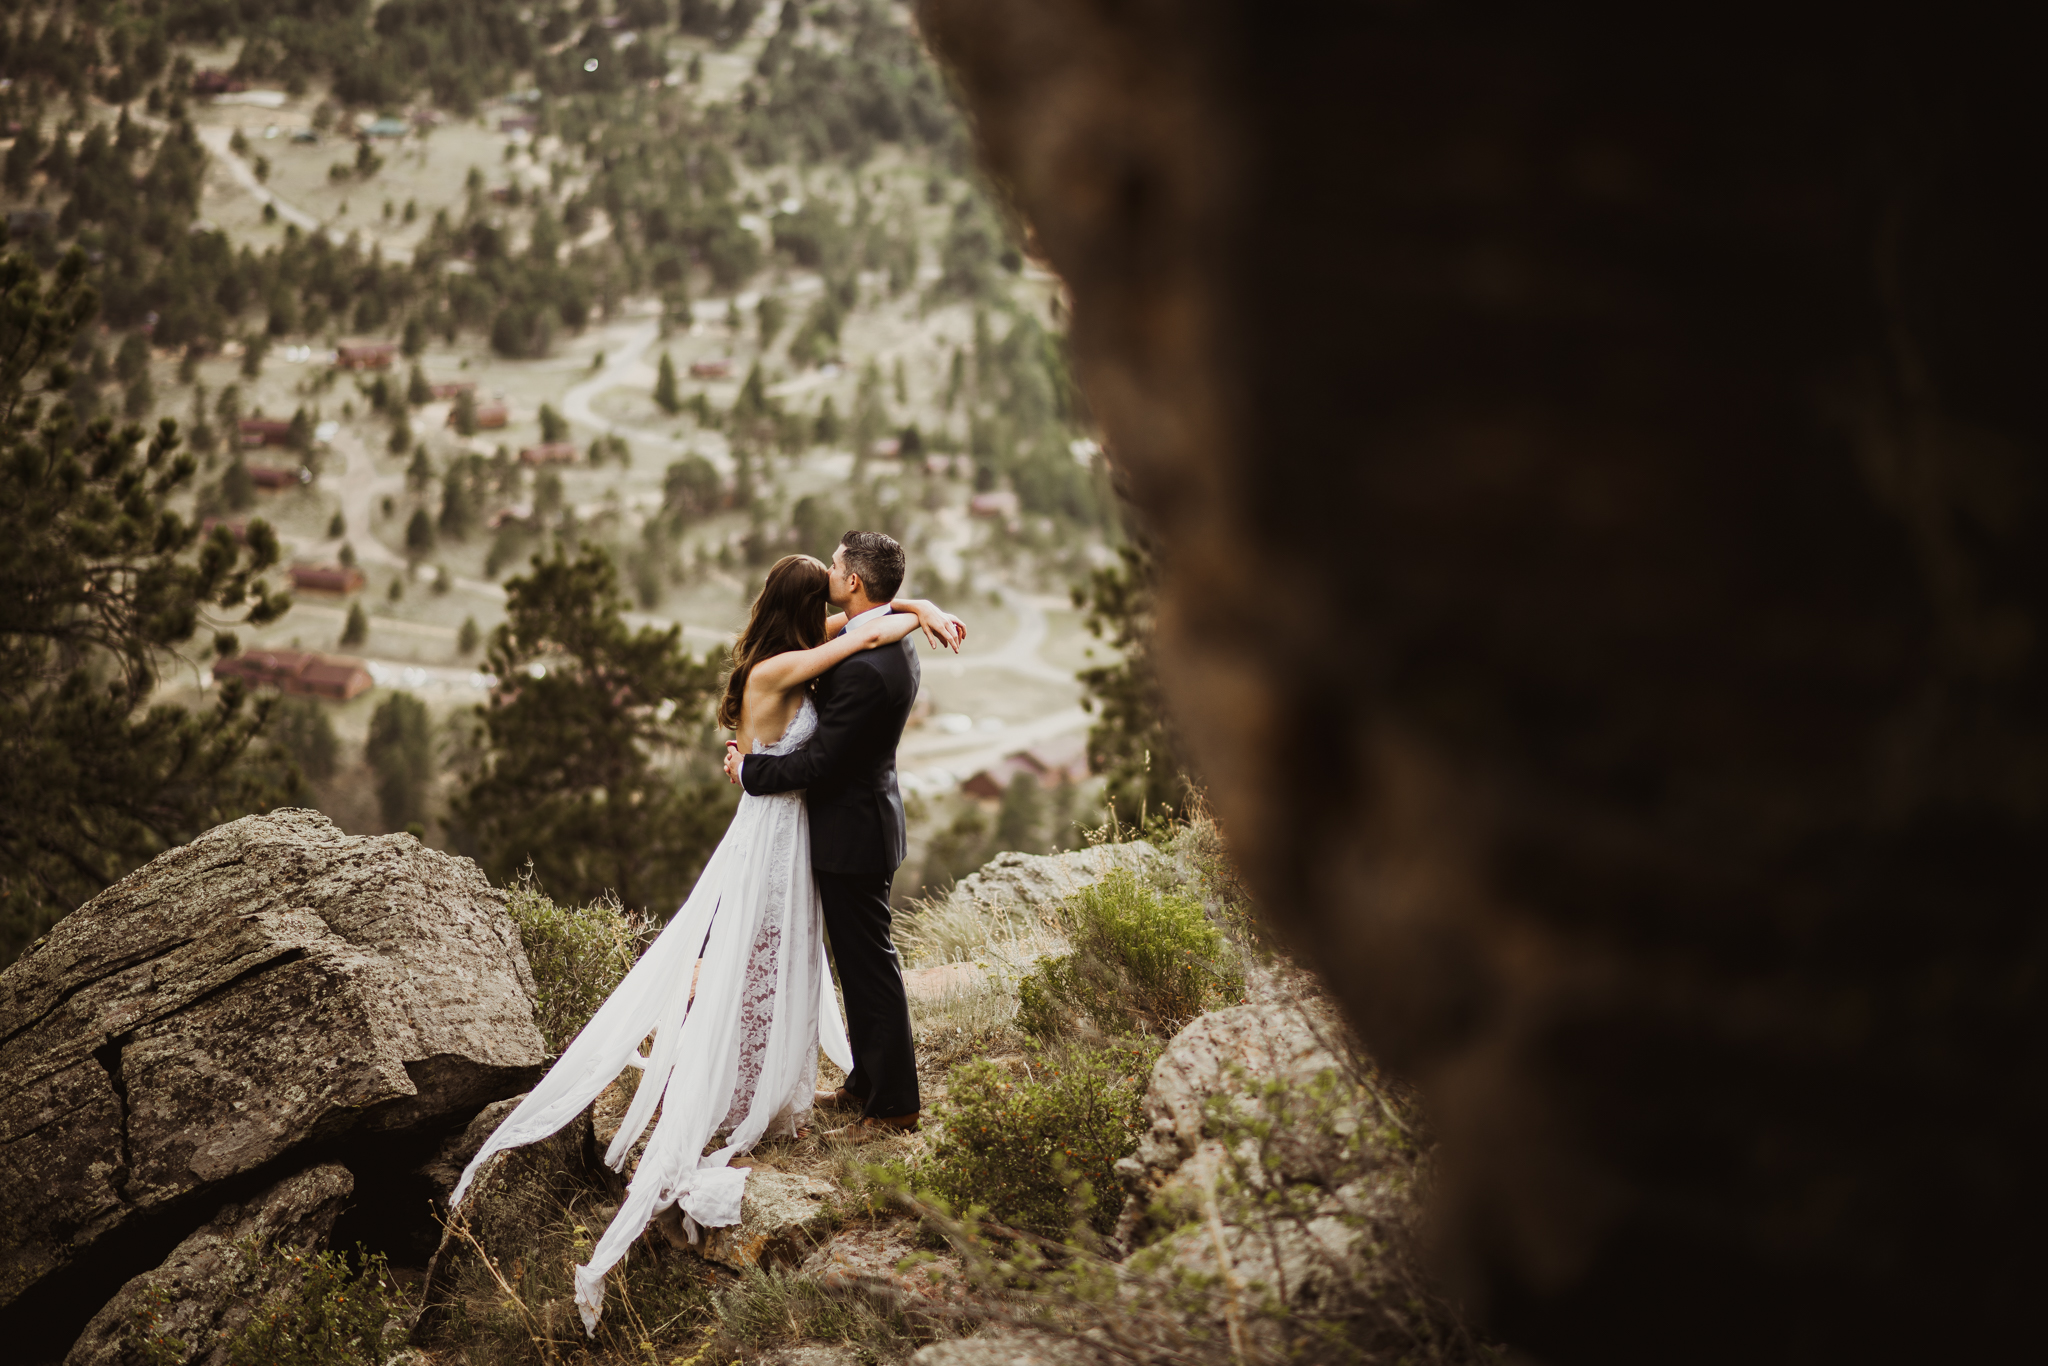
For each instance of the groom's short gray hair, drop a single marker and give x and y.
(878, 559)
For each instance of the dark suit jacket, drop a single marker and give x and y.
(848, 770)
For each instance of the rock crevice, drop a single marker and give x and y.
(270, 995)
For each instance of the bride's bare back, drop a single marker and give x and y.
(775, 688)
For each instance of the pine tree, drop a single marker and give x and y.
(417, 390)
(665, 386)
(1021, 821)
(1131, 745)
(102, 581)
(570, 774)
(237, 488)
(870, 412)
(419, 535)
(356, 629)
(400, 751)
(825, 431)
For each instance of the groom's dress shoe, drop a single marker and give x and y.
(870, 1128)
(836, 1100)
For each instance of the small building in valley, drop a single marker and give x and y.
(365, 355)
(270, 477)
(264, 431)
(995, 503)
(1064, 760)
(300, 672)
(550, 453)
(327, 578)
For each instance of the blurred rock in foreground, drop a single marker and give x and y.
(1604, 582)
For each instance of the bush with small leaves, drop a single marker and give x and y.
(1144, 961)
(148, 1342)
(578, 954)
(328, 1314)
(1038, 1151)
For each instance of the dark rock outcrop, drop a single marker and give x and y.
(1595, 460)
(212, 1282)
(270, 992)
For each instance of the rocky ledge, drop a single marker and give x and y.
(272, 995)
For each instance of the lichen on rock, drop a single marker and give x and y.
(273, 987)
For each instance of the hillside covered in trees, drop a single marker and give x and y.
(730, 265)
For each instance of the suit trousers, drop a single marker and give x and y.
(884, 1075)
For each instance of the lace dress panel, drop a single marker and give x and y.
(757, 1018)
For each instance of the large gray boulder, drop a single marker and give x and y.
(272, 985)
(1026, 884)
(1003, 1348)
(1271, 1163)
(212, 1282)
(1231, 1054)
(1002, 914)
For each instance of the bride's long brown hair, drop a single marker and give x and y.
(789, 615)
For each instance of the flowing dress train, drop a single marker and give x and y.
(742, 1058)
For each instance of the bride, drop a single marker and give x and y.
(735, 991)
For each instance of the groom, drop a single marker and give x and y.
(848, 773)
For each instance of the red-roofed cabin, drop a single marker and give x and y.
(297, 671)
(1050, 764)
(710, 369)
(1000, 503)
(492, 415)
(550, 453)
(264, 431)
(453, 390)
(365, 355)
(266, 477)
(237, 529)
(211, 80)
(327, 578)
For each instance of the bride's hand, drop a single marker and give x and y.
(942, 630)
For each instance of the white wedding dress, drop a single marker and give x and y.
(741, 1059)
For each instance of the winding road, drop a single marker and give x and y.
(216, 140)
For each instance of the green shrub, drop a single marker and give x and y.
(325, 1314)
(1039, 1152)
(578, 954)
(147, 1341)
(1144, 962)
